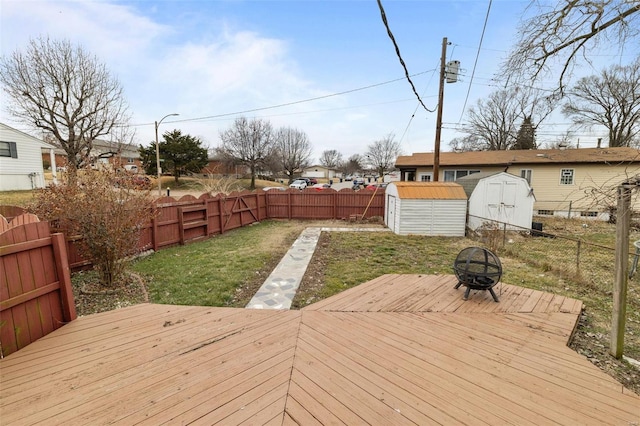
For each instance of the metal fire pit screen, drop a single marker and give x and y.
(477, 269)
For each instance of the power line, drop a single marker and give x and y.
(209, 117)
(406, 71)
(484, 28)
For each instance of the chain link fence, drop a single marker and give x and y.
(578, 258)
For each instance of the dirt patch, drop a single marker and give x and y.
(595, 347)
(92, 298)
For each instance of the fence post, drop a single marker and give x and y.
(619, 314)
(578, 257)
(504, 235)
(570, 205)
(59, 245)
(221, 215)
(154, 232)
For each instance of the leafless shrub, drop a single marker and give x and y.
(107, 209)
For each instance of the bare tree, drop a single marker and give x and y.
(293, 150)
(330, 158)
(567, 32)
(382, 154)
(353, 165)
(493, 121)
(249, 143)
(66, 92)
(561, 142)
(466, 143)
(612, 100)
(492, 124)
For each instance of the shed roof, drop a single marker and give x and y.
(534, 156)
(430, 190)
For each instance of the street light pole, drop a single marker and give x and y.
(159, 170)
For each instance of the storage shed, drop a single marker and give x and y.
(426, 208)
(501, 197)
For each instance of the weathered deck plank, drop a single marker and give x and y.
(400, 349)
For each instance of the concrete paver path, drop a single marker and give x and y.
(279, 289)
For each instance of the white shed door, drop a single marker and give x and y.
(501, 201)
(391, 213)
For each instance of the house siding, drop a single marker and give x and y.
(26, 171)
(565, 199)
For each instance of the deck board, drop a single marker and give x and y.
(400, 349)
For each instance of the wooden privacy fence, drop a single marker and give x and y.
(190, 218)
(35, 282)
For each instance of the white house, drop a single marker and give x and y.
(318, 171)
(21, 160)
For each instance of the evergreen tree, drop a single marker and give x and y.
(526, 137)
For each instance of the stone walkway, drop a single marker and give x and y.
(279, 289)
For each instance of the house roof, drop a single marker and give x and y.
(430, 190)
(511, 157)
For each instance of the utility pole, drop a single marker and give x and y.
(436, 148)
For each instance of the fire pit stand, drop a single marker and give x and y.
(477, 269)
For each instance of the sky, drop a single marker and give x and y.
(327, 67)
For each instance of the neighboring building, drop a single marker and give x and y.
(119, 155)
(566, 182)
(319, 172)
(21, 156)
(115, 154)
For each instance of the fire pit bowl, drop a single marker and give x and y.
(477, 269)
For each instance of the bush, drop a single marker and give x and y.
(108, 212)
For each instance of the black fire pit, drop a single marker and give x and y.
(477, 269)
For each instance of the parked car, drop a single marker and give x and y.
(321, 186)
(313, 181)
(374, 186)
(133, 181)
(298, 184)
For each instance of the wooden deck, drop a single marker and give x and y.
(401, 349)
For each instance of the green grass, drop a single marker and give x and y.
(211, 272)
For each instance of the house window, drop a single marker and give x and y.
(545, 212)
(589, 214)
(566, 177)
(8, 149)
(453, 175)
(131, 160)
(426, 177)
(526, 173)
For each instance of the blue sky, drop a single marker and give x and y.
(207, 60)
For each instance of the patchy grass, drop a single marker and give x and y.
(16, 198)
(208, 273)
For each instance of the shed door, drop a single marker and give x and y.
(501, 201)
(391, 212)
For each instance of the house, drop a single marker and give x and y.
(21, 166)
(566, 182)
(117, 155)
(320, 172)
